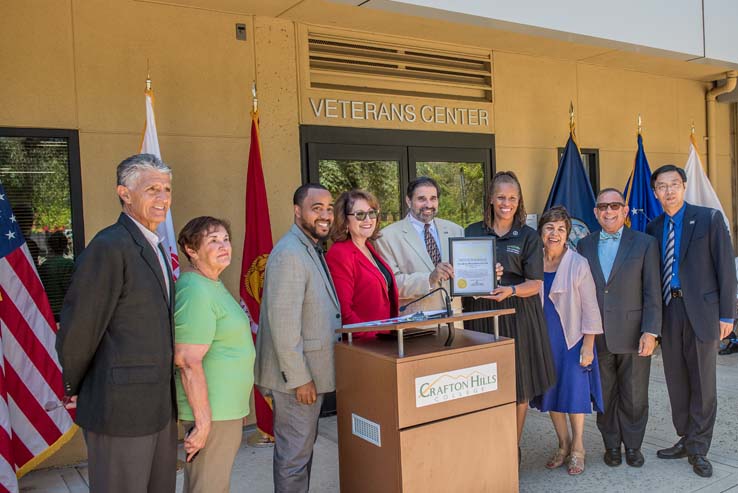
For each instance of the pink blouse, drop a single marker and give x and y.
(574, 296)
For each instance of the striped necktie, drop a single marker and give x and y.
(431, 246)
(666, 272)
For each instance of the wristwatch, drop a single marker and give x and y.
(515, 291)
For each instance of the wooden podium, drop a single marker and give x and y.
(440, 418)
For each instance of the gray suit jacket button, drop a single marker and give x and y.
(338, 315)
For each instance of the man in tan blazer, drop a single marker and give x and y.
(416, 248)
(294, 346)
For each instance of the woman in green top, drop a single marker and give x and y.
(214, 355)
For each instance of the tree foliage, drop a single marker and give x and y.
(462, 185)
(462, 189)
(379, 177)
(35, 174)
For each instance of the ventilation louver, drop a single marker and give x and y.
(353, 64)
(367, 430)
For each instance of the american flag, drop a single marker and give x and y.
(30, 374)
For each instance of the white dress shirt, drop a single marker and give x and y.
(154, 241)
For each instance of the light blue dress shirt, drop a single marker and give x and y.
(420, 228)
(607, 250)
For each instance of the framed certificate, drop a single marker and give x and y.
(473, 260)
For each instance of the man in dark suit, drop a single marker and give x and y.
(625, 268)
(115, 343)
(698, 284)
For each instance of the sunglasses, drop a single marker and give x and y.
(361, 215)
(613, 206)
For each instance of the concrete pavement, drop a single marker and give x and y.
(252, 471)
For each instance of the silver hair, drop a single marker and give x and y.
(129, 169)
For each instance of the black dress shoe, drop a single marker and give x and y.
(700, 465)
(634, 457)
(678, 451)
(612, 457)
(731, 348)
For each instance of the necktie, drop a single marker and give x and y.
(666, 272)
(609, 236)
(431, 246)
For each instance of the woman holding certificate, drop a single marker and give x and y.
(520, 251)
(364, 283)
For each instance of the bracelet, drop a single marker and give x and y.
(514, 292)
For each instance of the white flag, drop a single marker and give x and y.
(699, 190)
(150, 145)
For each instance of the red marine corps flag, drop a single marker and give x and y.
(33, 421)
(256, 247)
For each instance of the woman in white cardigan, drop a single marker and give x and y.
(573, 318)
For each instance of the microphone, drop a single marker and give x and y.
(447, 300)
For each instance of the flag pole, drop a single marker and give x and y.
(640, 124)
(629, 183)
(572, 123)
(571, 116)
(255, 100)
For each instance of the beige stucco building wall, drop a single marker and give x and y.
(531, 115)
(76, 64)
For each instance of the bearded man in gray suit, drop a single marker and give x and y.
(294, 347)
(625, 268)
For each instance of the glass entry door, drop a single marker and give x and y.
(340, 167)
(383, 162)
(460, 174)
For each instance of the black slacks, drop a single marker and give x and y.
(143, 464)
(690, 370)
(625, 393)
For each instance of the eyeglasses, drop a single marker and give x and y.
(613, 206)
(361, 215)
(663, 187)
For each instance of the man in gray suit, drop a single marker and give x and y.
(625, 268)
(416, 248)
(294, 347)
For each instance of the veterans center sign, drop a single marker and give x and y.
(352, 110)
(455, 384)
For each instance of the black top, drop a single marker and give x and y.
(385, 272)
(520, 251)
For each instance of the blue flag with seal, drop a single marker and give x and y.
(571, 188)
(638, 194)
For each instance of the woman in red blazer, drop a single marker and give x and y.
(365, 284)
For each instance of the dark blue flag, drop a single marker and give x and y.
(640, 198)
(571, 188)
